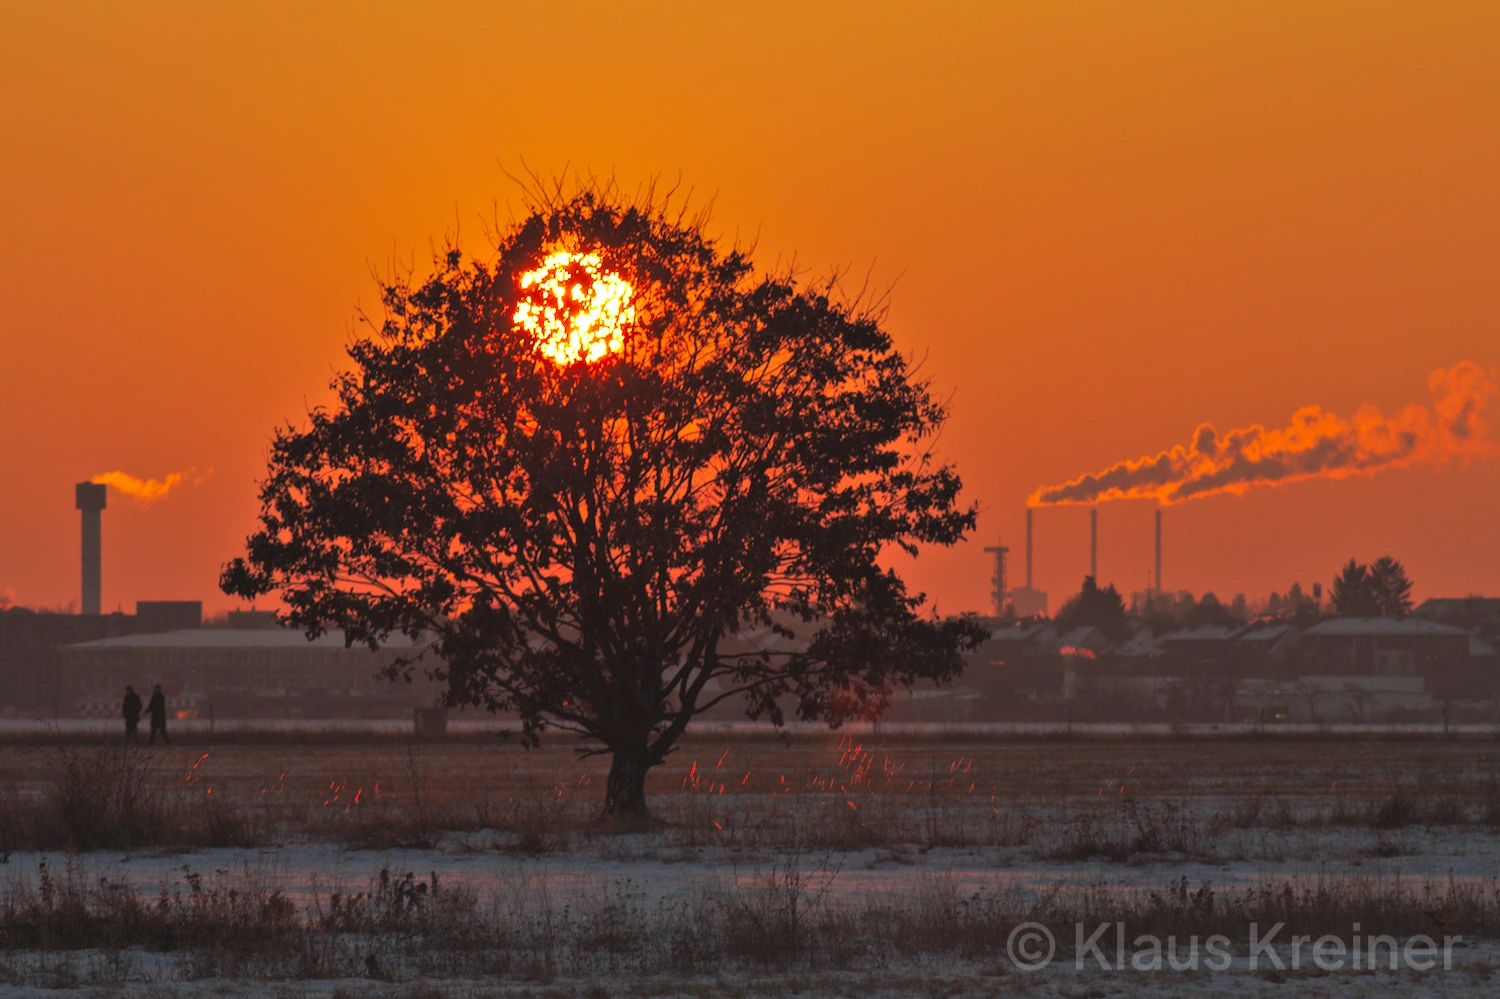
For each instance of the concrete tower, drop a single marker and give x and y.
(90, 498)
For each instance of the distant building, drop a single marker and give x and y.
(1207, 648)
(167, 615)
(1352, 646)
(1268, 643)
(245, 619)
(1338, 670)
(240, 673)
(1469, 613)
(30, 641)
(1026, 602)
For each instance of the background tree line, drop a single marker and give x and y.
(1378, 589)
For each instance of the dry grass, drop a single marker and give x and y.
(796, 812)
(1065, 801)
(93, 799)
(402, 925)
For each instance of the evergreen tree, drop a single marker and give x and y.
(1103, 609)
(1209, 611)
(1390, 589)
(1352, 593)
(1378, 590)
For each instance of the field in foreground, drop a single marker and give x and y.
(816, 866)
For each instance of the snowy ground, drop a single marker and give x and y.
(483, 724)
(653, 873)
(742, 815)
(663, 871)
(1474, 976)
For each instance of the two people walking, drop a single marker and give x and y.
(157, 709)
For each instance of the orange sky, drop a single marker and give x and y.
(1107, 223)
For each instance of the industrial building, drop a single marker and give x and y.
(1026, 601)
(1338, 670)
(241, 672)
(31, 643)
(77, 665)
(1440, 654)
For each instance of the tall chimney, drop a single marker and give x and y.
(1158, 551)
(1094, 542)
(90, 499)
(1028, 547)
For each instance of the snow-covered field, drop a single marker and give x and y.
(1473, 980)
(864, 825)
(667, 871)
(479, 725)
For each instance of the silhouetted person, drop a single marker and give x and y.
(131, 711)
(158, 711)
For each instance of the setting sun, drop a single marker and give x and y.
(576, 310)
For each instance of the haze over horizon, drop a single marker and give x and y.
(1102, 226)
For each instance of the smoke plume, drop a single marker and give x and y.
(1316, 445)
(148, 491)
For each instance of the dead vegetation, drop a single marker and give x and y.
(1060, 803)
(402, 926)
(787, 820)
(95, 799)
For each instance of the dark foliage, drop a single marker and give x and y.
(1210, 611)
(589, 544)
(1103, 609)
(1352, 594)
(1378, 590)
(1296, 606)
(1392, 588)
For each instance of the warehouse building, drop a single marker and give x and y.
(242, 672)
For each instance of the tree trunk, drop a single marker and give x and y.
(625, 791)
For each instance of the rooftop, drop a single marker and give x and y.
(1352, 626)
(1202, 633)
(1265, 632)
(1142, 643)
(1020, 632)
(232, 638)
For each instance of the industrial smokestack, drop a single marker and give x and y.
(1028, 547)
(1158, 551)
(1028, 602)
(1094, 542)
(90, 499)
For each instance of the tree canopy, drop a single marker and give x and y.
(613, 476)
(1210, 611)
(1102, 608)
(1377, 590)
(1391, 587)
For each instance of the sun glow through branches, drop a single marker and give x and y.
(575, 310)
